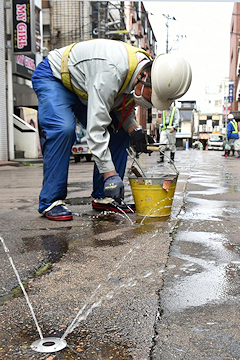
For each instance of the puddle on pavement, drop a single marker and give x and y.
(213, 190)
(208, 209)
(107, 230)
(207, 271)
(218, 183)
(55, 246)
(204, 209)
(103, 230)
(211, 187)
(107, 216)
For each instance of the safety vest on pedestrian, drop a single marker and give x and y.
(132, 61)
(234, 124)
(164, 126)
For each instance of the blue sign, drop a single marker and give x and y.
(230, 92)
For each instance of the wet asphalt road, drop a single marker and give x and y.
(164, 288)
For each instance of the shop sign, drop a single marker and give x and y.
(24, 65)
(22, 26)
(230, 92)
(27, 35)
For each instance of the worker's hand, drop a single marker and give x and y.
(138, 141)
(114, 187)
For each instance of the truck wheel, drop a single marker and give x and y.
(88, 158)
(77, 158)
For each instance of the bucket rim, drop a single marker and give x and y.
(154, 176)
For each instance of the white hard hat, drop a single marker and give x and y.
(171, 78)
(230, 116)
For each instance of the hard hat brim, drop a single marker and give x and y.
(160, 104)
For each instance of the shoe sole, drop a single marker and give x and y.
(59, 218)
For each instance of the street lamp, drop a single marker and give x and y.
(168, 18)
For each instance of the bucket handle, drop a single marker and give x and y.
(156, 148)
(130, 152)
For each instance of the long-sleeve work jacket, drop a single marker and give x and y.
(99, 69)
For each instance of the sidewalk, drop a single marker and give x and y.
(9, 163)
(18, 162)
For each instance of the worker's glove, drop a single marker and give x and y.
(114, 187)
(138, 141)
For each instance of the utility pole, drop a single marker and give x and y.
(168, 18)
(226, 103)
(102, 16)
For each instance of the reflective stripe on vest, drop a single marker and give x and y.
(65, 74)
(132, 65)
(234, 124)
(171, 119)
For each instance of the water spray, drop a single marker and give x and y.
(43, 345)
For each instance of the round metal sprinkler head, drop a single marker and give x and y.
(49, 345)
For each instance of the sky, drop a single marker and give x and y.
(203, 30)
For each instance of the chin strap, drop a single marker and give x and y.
(139, 79)
(146, 83)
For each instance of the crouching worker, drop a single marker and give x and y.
(99, 82)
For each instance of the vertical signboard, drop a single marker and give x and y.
(22, 29)
(230, 92)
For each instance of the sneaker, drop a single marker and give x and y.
(58, 213)
(108, 204)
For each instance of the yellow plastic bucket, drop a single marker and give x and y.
(153, 195)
